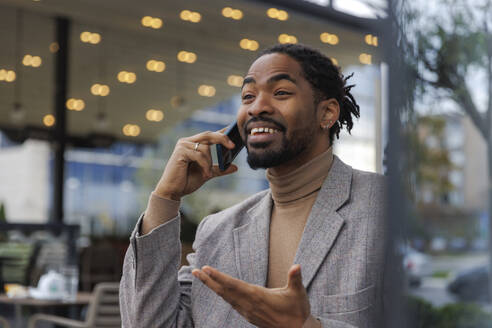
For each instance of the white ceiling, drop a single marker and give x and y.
(126, 45)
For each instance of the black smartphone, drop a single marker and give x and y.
(225, 156)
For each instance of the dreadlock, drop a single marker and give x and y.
(326, 80)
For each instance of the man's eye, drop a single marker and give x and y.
(282, 93)
(248, 96)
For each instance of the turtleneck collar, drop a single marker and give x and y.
(301, 182)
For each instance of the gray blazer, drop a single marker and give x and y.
(340, 253)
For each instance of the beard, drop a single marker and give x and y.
(289, 149)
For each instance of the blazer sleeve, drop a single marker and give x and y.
(153, 293)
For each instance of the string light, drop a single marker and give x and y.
(54, 47)
(151, 22)
(33, 61)
(190, 16)
(232, 13)
(49, 120)
(365, 59)
(248, 44)
(7, 75)
(127, 77)
(206, 90)
(88, 37)
(329, 38)
(155, 65)
(100, 90)
(186, 57)
(285, 38)
(371, 40)
(131, 130)
(154, 115)
(75, 104)
(235, 80)
(275, 13)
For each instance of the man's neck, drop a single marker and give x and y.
(299, 161)
(302, 181)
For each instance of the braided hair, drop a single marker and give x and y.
(326, 80)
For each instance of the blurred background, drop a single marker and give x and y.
(94, 95)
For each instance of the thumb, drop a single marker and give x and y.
(294, 278)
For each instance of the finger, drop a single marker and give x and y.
(202, 160)
(216, 172)
(294, 278)
(211, 138)
(204, 149)
(229, 283)
(209, 282)
(224, 129)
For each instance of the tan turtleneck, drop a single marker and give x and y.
(293, 197)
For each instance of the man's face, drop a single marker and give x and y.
(277, 118)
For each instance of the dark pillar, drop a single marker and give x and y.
(61, 83)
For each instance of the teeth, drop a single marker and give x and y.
(262, 130)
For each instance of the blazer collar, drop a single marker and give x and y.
(324, 223)
(251, 241)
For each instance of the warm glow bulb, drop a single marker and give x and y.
(95, 38)
(10, 76)
(147, 21)
(79, 105)
(36, 61)
(237, 14)
(85, 36)
(195, 17)
(131, 77)
(227, 12)
(185, 15)
(160, 66)
(54, 47)
(156, 23)
(27, 60)
(70, 103)
(104, 91)
(96, 89)
(272, 12)
(282, 15)
(49, 120)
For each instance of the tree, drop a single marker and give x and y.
(452, 49)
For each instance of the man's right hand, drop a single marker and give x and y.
(189, 167)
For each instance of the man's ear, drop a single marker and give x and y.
(329, 112)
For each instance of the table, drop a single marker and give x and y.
(83, 298)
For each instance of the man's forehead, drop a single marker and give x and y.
(273, 64)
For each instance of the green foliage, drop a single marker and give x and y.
(457, 315)
(464, 316)
(440, 274)
(3, 216)
(422, 313)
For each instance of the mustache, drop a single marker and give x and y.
(262, 119)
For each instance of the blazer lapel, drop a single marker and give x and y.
(251, 243)
(324, 223)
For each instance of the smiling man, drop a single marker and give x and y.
(307, 252)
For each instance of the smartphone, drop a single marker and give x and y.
(225, 156)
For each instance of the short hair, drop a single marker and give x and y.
(326, 80)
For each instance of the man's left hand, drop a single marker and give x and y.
(263, 307)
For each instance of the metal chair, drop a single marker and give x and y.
(4, 323)
(104, 310)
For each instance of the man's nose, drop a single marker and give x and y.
(261, 106)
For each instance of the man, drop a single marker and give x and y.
(319, 217)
